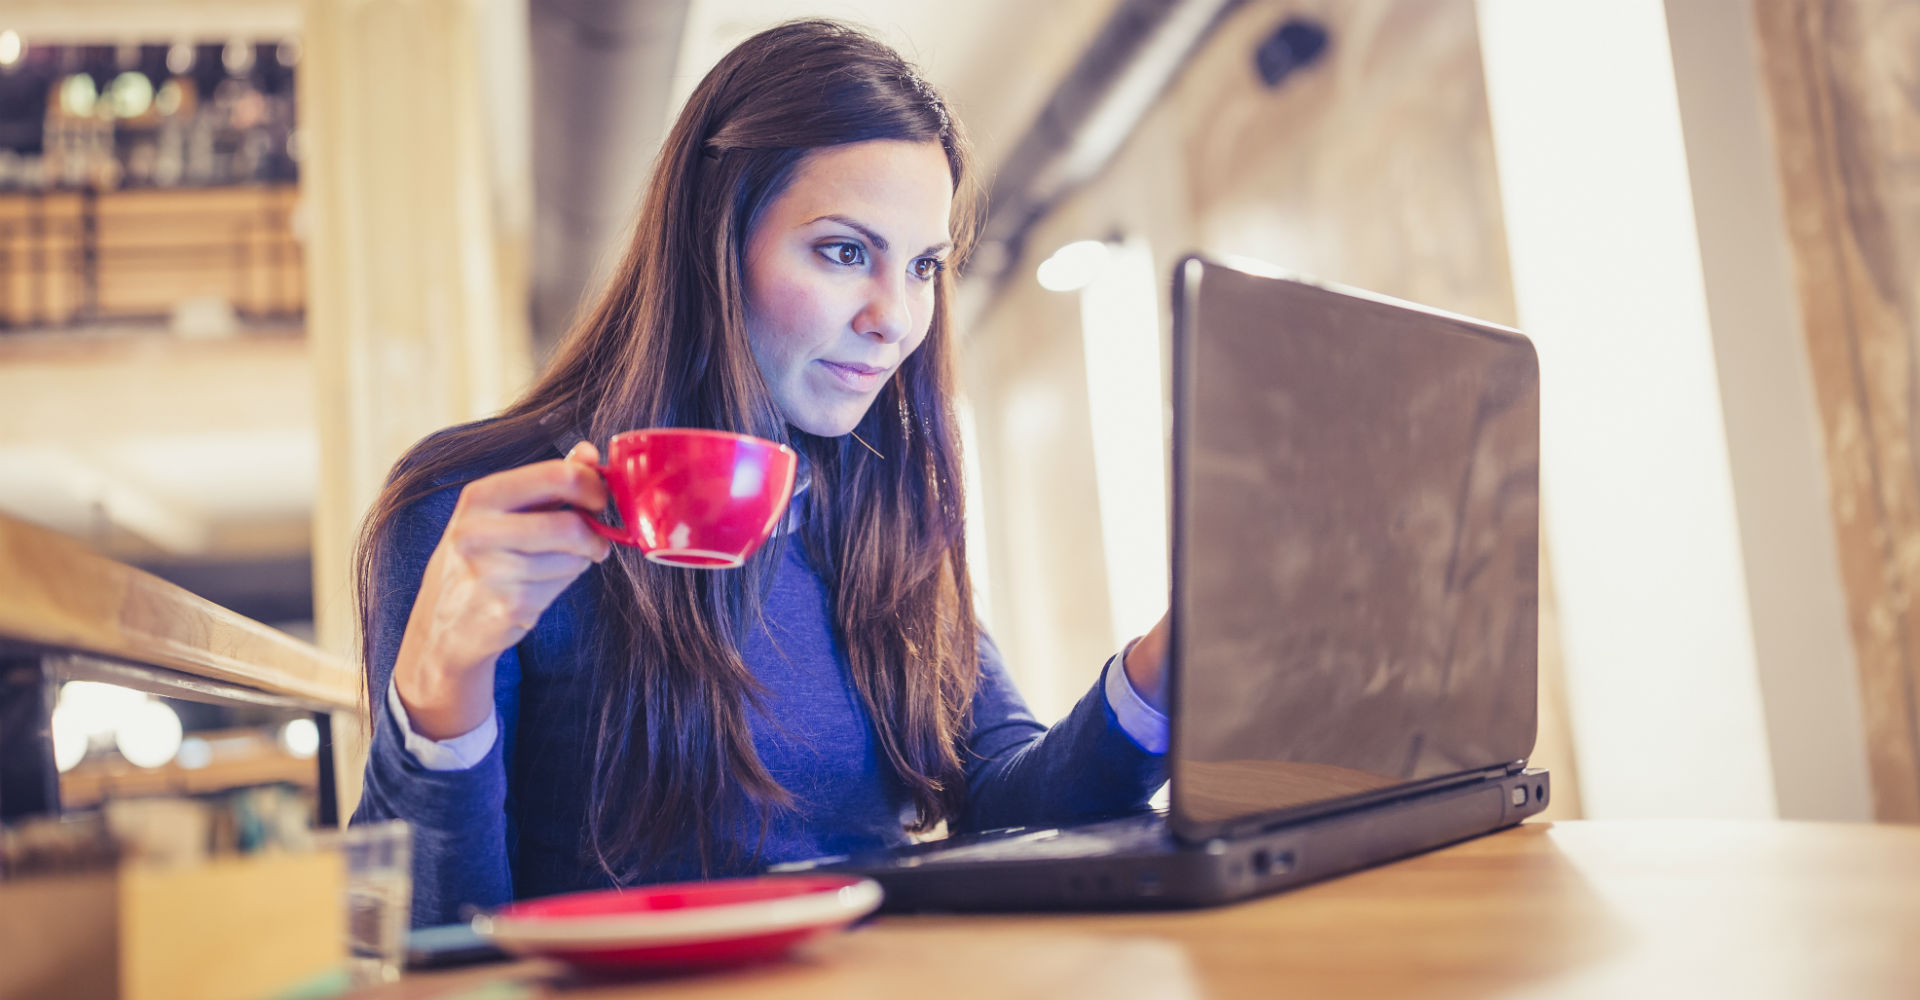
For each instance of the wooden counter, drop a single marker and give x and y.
(60, 597)
(1574, 909)
(68, 613)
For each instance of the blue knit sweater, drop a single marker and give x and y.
(510, 826)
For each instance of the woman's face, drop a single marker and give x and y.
(841, 268)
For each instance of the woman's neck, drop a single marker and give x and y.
(802, 474)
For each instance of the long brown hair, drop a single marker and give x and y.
(666, 345)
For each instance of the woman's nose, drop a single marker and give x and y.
(886, 316)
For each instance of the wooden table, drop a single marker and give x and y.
(1573, 909)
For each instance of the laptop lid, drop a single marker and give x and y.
(1355, 548)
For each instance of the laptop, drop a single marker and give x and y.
(1355, 577)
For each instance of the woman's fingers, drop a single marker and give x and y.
(514, 567)
(569, 481)
(586, 455)
(530, 533)
(584, 452)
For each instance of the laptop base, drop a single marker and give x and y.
(1172, 875)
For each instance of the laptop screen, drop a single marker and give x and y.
(1356, 510)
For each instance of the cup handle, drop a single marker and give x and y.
(598, 527)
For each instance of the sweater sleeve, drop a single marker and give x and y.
(1020, 773)
(458, 817)
(1146, 724)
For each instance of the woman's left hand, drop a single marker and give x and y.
(1146, 665)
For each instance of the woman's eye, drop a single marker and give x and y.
(849, 254)
(926, 267)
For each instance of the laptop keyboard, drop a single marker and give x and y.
(1128, 834)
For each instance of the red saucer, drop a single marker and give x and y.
(688, 924)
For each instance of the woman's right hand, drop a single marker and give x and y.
(508, 551)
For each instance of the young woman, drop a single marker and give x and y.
(551, 714)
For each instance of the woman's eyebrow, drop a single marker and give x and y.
(879, 242)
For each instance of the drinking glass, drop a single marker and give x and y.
(379, 896)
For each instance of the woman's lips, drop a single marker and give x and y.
(857, 377)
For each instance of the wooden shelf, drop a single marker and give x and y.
(68, 256)
(241, 758)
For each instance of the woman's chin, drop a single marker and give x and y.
(827, 425)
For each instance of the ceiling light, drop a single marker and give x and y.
(238, 57)
(149, 735)
(131, 94)
(70, 738)
(77, 95)
(195, 753)
(301, 737)
(1072, 267)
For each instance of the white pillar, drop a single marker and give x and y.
(1639, 504)
(1809, 677)
(1120, 324)
(417, 195)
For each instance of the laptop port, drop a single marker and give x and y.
(1267, 862)
(1149, 883)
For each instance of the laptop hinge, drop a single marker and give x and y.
(1252, 825)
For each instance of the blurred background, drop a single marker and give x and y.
(250, 250)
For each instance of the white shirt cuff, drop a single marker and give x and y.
(455, 754)
(1142, 721)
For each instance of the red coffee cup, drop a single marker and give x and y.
(697, 498)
